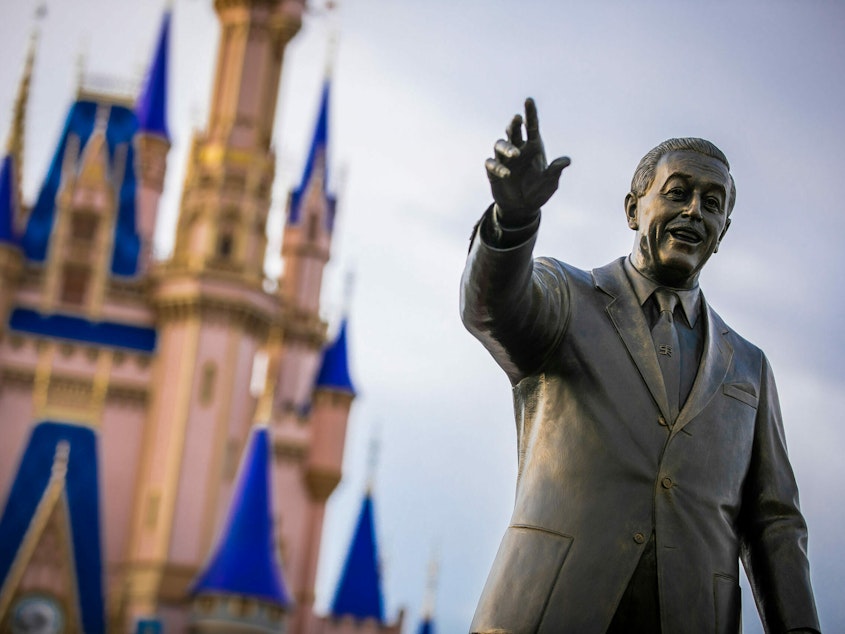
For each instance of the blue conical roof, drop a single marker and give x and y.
(334, 369)
(244, 561)
(8, 201)
(151, 107)
(317, 162)
(359, 591)
(427, 626)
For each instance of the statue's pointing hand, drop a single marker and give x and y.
(520, 178)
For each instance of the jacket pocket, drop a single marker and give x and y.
(524, 572)
(727, 601)
(743, 392)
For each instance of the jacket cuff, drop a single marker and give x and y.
(499, 236)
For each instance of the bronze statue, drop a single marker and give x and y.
(651, 448)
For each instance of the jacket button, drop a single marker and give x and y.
(639, 538)
(661, 421)
(666, 482)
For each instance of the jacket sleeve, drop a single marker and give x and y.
(516, 306)
(773, 530)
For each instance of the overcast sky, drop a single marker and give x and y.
(423, 89)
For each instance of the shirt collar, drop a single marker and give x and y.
(644, 287)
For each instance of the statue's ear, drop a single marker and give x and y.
(631, 201)
(722, 235)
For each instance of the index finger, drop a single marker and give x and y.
(532, 125)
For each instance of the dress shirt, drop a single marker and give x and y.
(690, 329)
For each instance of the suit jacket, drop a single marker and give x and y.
(601, 466)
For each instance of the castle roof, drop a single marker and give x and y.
(8, 201)
(81, 491)
(316, 171)
(151, 107)
(359, 593)
(427, 623)
(120, 128)
(245, 562)
(334, 368)
(426, 626)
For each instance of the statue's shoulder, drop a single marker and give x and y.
(572, 274)
(737, 341)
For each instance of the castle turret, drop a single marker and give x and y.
(321, 464)
(213, 315)
(333, 396)
(358, 603)
(153, 140)
(358, 594)
(310, 222)
(231, 166)
(426, 625)
(241, 590)
(309, 422)
(306, 243)
(427, 621)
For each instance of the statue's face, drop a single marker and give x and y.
(681, 219)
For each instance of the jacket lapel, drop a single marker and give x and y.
(715, 361)
(628, 319)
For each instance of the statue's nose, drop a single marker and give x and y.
(693, 209)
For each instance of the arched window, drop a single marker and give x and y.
(225, 245)
(209, 374)
(75, 278)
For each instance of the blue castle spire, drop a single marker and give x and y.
(359, 590)
(151, 107)
(244, 562)
(427, 623)
(334, 369)
(317, 163)
(8, 201)
(426, 626)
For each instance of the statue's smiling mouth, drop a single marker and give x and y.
(685, 234)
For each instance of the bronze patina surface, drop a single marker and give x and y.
(642, 482)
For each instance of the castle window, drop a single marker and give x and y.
(209, 373)
(225, 245)
(83, 226)
(311, 228)
(75, 279)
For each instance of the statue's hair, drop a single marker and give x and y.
(644, 174)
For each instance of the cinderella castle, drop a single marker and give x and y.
(172, 430)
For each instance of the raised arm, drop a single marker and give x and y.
(514, 306)
(520, 179)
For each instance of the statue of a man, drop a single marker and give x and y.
(651, 448)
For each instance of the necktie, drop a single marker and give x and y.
(668, 348)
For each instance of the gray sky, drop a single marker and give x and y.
(422, 91)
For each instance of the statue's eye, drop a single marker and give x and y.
(713, 203)
(676, 193)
